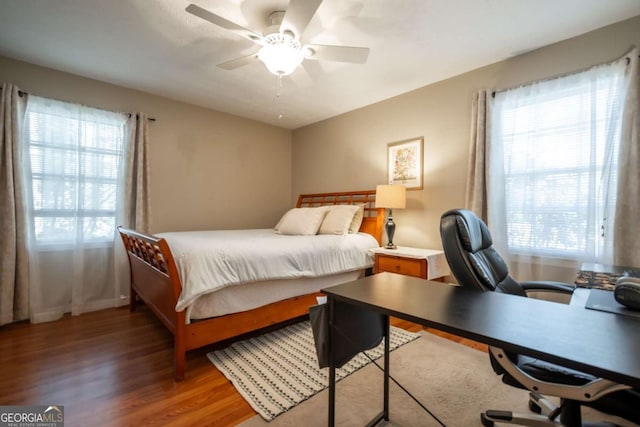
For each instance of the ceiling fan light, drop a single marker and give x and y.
(280, 54)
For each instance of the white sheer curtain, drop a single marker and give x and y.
(72, 175)
(553, 153)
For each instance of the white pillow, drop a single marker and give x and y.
(357, 219)
(302, 221)
(338, 219)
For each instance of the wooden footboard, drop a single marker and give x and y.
(155, 280)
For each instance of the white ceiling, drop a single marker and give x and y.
(156, 47)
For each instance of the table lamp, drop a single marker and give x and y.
(391, 197)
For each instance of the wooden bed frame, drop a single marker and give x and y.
(155, 280)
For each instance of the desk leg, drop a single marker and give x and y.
(384, 415)
(387, 347)
(332, 396)
(332, 368)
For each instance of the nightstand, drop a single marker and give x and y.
(428, 264)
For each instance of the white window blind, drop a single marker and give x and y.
(75, 153)
(554, 158)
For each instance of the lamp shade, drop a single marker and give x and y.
(391, 196)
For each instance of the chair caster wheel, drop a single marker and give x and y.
(534, 407)
(485, 421)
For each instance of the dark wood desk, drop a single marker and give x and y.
(599, 343)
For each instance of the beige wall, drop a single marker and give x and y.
(208, 169)
(350, 151)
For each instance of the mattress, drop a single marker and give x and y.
(253, 295)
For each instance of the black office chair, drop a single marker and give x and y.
(474, 262)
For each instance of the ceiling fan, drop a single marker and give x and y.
(281, 50)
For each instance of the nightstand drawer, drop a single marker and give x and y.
(406, 266)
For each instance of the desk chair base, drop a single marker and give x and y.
(546, 416)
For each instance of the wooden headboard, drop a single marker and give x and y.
(373, 217)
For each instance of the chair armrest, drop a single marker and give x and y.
(548, 286)
(588, 392)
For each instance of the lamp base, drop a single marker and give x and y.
(390, 227)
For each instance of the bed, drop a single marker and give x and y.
(156, 280)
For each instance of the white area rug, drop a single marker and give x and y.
(276, 371)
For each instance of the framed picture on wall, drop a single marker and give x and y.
(404, 163)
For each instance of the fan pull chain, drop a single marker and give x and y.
(278, 90)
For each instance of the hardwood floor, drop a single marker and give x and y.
(115, 368)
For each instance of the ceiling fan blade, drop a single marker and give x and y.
(239, 62)
(298, 15)
(222, 22)
(355, 55)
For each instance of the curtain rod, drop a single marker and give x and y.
(627, 57)
(23, 93)
(151, 119)
(20, 93)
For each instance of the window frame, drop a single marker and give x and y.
(88, 142)
(587, 174)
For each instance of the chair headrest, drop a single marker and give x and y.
(474, 233)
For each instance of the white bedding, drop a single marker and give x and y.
(211, 260)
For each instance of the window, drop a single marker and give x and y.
(553, 161)
(75, 153)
